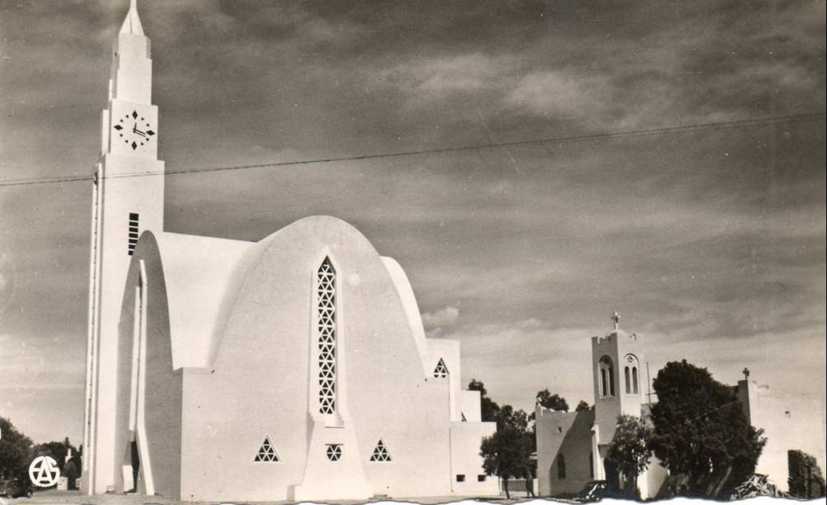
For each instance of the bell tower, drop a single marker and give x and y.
(618, 382)
(127, 198)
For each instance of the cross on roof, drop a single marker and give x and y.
(615, 319)
(746, 373)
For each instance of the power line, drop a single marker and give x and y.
(732, 124)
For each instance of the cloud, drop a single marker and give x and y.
(563, 94)
(438, 322)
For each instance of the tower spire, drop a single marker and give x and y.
(132, 23)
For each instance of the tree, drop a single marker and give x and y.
(700, 430)
(552, 401)
(15, 451)
(57, 450)
(507, 453)
(805, 479)
(488, 407)
(629, 451)
(581, 406)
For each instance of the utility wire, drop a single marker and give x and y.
(737, 123)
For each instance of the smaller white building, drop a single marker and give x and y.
(572, 446)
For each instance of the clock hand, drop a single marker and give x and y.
(139, 132)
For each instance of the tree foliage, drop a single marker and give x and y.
(488, 407)
(805, 480)
(552, 401)
(629, 450)
(700, 429)
(507, 452)
(15, 451)
(57, 450)
(581, 406)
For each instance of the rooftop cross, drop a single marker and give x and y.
(615, 319)
(746, 373)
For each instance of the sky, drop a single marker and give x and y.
(710, 242)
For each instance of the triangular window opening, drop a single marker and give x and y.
(462, 417)
(380, 453)
(441, 371)
(266, 453)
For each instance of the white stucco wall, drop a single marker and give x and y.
(466, 438)
(258, 382)
(470, 406)
(568, 434)
(787, 424)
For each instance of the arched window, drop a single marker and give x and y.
(632, 364)
(326, 326)
(634, 380)
(607, 376)
(628, 380)
(561, 466)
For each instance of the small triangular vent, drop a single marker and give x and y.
(267, 453)
(441, 371)
(380, 453)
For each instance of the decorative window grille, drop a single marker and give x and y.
(326, 292)
(381, 453)
(266, 453)
(334, 452)
(441, 371)
(133, 232)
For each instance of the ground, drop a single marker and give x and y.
(74, 498)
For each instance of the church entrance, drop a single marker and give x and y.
(131, 467)
(612, 475)
(136, 464)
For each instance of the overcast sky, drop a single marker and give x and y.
(711, 243)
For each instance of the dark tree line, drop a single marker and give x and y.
(698, 430)
(17, 451)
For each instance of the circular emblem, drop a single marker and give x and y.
(44, 472)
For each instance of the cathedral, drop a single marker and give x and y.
(292, 368)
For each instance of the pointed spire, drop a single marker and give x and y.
(132, 23)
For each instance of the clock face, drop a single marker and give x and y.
(134, 130)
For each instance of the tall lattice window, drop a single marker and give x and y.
(326, 326)
(441, 370)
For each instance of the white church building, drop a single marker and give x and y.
(572, 446)
(295, 367)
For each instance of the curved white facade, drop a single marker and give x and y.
(224, 345)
